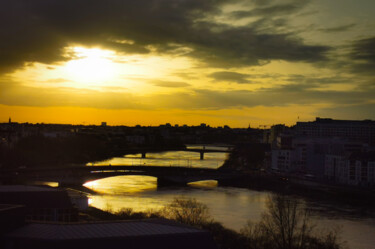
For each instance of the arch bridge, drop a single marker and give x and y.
(166, 176)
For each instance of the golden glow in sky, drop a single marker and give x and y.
(235, 63)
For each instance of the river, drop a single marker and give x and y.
(231, 206)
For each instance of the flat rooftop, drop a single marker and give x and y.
(133, 234)
(69, 231)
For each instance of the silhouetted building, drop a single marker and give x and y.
(138, 234)
(357, 130)
(41, 203)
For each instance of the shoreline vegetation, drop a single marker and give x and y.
(285, 224)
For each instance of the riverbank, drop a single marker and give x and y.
(362, 200)
(268, 230)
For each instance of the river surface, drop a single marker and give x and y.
(231, 206)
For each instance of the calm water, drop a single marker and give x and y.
(231, 206)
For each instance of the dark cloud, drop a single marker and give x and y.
(272, 10)
(341, 28)
(243, 46)
(362, 56)
(307, 95)
(172, 84)
(261, 2)
(280, 96)
(316, 81)
(231, 77)
(38, 30)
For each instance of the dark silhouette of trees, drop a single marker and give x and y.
(246, 157)
(287, 225)
(187, 211)
(39, 151)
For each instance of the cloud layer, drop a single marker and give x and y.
(38, 31)
(241, 53)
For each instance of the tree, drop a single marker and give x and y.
(286, 222)
(187, 211)
(287, 225)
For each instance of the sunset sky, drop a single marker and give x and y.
(234, 62)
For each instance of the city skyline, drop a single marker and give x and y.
(220, 62)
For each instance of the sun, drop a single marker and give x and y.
(91, 66)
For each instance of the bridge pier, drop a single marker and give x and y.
(71, 182)
(202, 155)
(143, 154)
(163, 182)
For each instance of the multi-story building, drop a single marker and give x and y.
(282, 160)
(362, 131)
(336, 168)
(307, 154)
(304, 149)
(357, 169)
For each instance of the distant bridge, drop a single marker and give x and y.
(165, 175)
(144, 151)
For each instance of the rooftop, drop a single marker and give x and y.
(97, 230)
(338, 121)
(34, 197)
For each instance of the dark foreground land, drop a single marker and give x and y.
(291, 230)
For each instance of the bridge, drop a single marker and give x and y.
(201, 151)
(166, 176)
(204, 150)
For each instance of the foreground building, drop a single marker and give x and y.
(40, 203)
(133, 234)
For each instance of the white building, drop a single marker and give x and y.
(307, 155)
(282, 160)
(358, 169)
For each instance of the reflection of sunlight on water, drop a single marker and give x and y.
(114, 204)
(204, 184)
(91, 185)
(169, 158)
(51, 184)
(120, 185)
(120, 192)
(140, 193)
